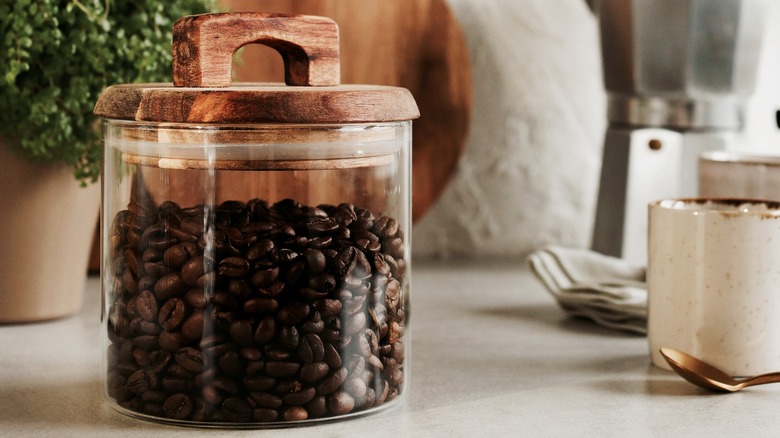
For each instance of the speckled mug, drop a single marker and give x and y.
(713, 282)
(739, 175)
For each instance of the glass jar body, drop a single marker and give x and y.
(255, 275)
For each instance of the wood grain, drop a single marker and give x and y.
(203, 47)
(415, 44)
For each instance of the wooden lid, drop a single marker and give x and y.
(203, 48)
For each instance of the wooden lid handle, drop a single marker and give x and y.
(204, 45)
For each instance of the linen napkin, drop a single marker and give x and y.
(608, 290)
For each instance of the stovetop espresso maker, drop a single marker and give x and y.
(677, 74)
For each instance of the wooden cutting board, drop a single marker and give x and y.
(415, 44)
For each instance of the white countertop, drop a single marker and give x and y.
(492, 355)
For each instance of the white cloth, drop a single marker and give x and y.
(607, 290)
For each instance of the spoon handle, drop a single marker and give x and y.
(763, 379)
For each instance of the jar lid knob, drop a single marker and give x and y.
(204, 45)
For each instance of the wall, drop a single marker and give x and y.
(529, 175)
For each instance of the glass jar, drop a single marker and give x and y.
(255, 263)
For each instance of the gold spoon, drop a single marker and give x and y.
(707, 376)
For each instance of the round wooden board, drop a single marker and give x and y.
(415, 44)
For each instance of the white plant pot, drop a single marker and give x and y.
(47, 222)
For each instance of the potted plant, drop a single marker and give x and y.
(55, 59)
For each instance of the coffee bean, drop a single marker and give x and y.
(190, 359)
(317, 407)
(340, 403)
(281, 369)
(171, 341)
(233, 267)
(266, 330)
(299, 397)
(138, 382)
(311, 348)
(259, 383)
(263, 415)
(315, 260)
(169, 286)
(332, 382)
(172, 314)
(193, 269)
(177, 406)
(295, 413)
(289, 337)
(192, 329)
(241, 331)
(175, 256)
(302, 309)
(173, 384)
(312, 372)
(146, 305)
(266, 400)
(293, 313)
(236, 409)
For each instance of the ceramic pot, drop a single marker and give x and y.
(45, 229)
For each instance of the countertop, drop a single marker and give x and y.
(492, 355)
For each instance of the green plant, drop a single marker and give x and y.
(56, 56)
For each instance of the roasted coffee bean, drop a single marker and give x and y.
(320, 243)
(340, 403)
(332, 357)
(281, 369)
(242, 333)
(263, 415)
(236, 409)
(266, 400)
(233, 267)
(172, 314)
(175, 256)
(174, 384)
(178, 406)
(146, 342)
(265, 277)
(259, 383)
(328, 307)
(193, 269)
(293, 313)
(146, 305)
(263, 246)
(332, 382)
(289, 337)
(251, 354)
(266, 330)
(312, 372)
(190, 359)
(299, 396)
(317, 407)
(315, 260)
(302, 309)
(260, 306)
(169, 286)
(138, 382)
(196, 299)
(311, 348)
(171, 341)
(192, 329)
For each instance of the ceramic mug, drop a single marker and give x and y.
(713, 282)
(739, 175)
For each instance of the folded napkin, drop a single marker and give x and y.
(607, 290)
